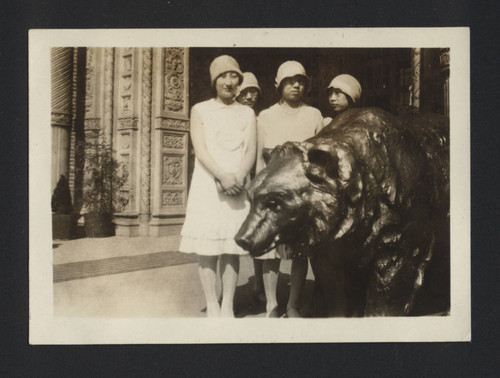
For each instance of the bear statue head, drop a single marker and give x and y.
(304, 197)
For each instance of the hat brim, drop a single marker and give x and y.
(240, 74)
(243, 87)
(308, 79)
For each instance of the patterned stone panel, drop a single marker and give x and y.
(173, 169)
(173, 141)
(173, 198)
(173, 124)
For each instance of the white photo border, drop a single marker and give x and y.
(44, 328)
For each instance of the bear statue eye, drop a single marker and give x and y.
(273, 205)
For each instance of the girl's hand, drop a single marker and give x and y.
(229, 185)
(241, 179)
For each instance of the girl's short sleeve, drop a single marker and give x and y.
(196, 119)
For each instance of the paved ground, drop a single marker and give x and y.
(143, 277)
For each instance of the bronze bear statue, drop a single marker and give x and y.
(367, 200)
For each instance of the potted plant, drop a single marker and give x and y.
(63, 219)
(104, 179)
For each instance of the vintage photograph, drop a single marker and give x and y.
(274, 190)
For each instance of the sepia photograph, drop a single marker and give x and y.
(249, 185)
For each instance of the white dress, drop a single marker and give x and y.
(280, 124)
(213, 218)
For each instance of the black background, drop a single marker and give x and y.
(481, 357)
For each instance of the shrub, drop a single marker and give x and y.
(61, 199)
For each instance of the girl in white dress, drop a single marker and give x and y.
(223, 133)
(290, 120)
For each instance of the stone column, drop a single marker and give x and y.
(416, 77)
(128, 112)
(99, 93)
(145, 173)
(169, 140)
(61, 60)
(98, 118)
(444, 60)
(133, 99)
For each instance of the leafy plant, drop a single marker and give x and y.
(61, 198)
(104, 178)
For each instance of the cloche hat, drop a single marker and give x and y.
(291, 68)
(222, 64)
(249, 81)
(347, 84)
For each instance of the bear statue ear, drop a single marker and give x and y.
(322, 164)
(266, 154)
(326, 164)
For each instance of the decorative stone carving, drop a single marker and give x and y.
(124, 141)
(127, 123)
(61, 119)
(173, 141)
(175, 124)
(125, 167)
(61, 63)
(92, 124)
(172, 170)
(126, 84)
(174, 79)
(444, 59)
(90, 81)
(173, 198)
(416, 63)
(126, 104)
(127, 62)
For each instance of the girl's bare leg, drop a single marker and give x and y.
(230, 267)
(208, 275)
(271, 269)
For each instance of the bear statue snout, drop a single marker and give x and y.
(244, 242)
(251, 238)
(244, 237)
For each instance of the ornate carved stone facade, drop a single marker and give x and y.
(169, 143)
(138, 100)
(135, 99)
